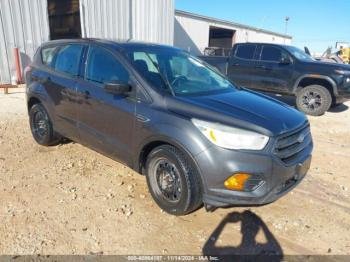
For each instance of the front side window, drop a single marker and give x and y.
(246, 51)
(177, 71)
(68, 59)
(103, 67)
(272, 54)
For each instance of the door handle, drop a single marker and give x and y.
(260, 67)
(86, 94)
(142, 118)
(263, 67)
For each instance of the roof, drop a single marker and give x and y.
(110, 42)
(229, 23)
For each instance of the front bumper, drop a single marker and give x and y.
(217, 164)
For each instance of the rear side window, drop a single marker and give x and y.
(270, 53)
(68, 59)
(103, 67)
(246, 51)
(47, 55)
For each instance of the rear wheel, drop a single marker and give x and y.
(41, 126)
(173, 181)
(314, 100)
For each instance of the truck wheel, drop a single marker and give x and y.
(41, 126)
(173, 181)
(314, 100)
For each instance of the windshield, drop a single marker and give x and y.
(299, 54)
(177, 72)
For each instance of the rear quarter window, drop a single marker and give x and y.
(245, 51)
(47, 55)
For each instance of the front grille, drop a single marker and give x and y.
(291, 145)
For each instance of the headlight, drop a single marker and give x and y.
(342, 72)
(230, 137)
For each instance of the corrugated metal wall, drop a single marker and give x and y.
(153, 20)
(192, 33)
(23, 24)
(143, 20)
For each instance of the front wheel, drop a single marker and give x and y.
(41, 126)
(314, 100)
(173, 181)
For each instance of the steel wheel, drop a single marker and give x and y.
(168, 180)
(41, 126)
(173, 180)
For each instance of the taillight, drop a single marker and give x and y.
(27, 74)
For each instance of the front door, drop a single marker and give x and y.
(105, 120)
(274, 70)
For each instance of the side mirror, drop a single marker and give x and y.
(117, 88)
(285, 61)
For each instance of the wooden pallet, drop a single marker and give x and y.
(6, 88)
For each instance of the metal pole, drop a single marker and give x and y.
(286, 29)
(18, 66)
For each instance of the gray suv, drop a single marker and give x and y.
(196, 137)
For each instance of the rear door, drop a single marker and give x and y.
(242, 64)
(272, 72)
(106, 121)
(60, 84)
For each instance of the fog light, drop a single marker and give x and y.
(347, 80)
(236, 182)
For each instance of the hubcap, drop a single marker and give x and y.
(40, 125)
(312, 100)
(168, 180)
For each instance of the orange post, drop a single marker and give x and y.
(18, 66)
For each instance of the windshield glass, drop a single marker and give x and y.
(299, 54)
(177, 72)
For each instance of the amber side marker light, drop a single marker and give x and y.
(236, 182)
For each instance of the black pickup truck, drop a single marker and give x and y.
(283, 69)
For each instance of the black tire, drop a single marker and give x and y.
(314, 100)
(167, 169)
(41, 126)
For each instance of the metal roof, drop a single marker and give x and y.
(228, 23)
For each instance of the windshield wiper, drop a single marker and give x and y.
(164, 79)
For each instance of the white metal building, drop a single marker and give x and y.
(196, 32)
(28, 23)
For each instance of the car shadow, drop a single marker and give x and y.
(290, 100)
(249, 249)
(339, 108)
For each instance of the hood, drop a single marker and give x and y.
(329, 65)
(240, 108)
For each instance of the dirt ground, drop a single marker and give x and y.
(71, 200)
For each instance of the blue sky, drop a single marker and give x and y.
(314, 23)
